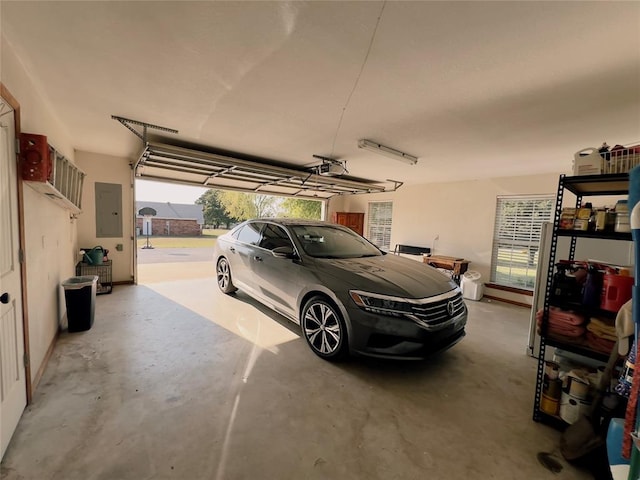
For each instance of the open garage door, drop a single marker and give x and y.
(164, 162)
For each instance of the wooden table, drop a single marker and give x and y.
(456, 265)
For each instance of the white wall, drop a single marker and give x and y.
(50, 234)
(107, 169)
(461, 214)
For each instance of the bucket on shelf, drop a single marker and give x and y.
(549, 405)
(551, 390)
(571, 408)
(578, 388)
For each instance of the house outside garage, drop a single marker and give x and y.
(171, 219)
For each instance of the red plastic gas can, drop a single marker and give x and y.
(616, 291)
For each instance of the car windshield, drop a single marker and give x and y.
(325, 241)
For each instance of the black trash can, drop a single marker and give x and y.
(80, 298)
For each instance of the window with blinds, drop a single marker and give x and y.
(516, 238)
(379, 224)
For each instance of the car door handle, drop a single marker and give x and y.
(232, 250)
(4, 298)
(257, 258)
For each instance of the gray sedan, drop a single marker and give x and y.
(347, 295)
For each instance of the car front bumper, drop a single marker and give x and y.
(399, 337)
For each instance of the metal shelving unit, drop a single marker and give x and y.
(580, 186)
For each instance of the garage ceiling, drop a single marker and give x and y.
(473, 89)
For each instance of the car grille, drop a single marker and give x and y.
(437, 314)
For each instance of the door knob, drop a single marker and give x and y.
(4, 298)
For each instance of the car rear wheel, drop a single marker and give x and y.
(324, 329)
(223, 273)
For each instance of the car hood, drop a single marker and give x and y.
(388, 275)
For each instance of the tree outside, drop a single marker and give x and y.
(223, 207)
(213, 210)
(300, 208)
(243, 206)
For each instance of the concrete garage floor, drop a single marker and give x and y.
(176, 380)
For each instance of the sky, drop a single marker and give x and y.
(149, 191)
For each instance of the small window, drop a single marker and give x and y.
(250, 233)
(274, 236)
(379, 232)
(516, 239)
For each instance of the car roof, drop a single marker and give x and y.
(291, 221)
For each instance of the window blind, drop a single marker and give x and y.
(516, 239)
(379, 230)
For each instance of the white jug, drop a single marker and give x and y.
(588, 161)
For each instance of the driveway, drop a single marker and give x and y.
(169, 264)
(174, 255)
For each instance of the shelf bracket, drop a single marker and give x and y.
(128, 123)
(396, 184)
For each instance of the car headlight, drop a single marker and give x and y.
(380, 304)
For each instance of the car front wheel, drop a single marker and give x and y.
(324, 329)
(223, 274)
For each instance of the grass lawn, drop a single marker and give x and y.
(207, 239)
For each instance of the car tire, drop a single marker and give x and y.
(223, 276)
(324, 329)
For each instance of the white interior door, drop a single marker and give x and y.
(13, 392)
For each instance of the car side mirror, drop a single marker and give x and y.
(283, 252)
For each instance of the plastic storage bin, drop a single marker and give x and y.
(472, 287)
(80, 298)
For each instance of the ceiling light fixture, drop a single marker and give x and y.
(387, 151)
